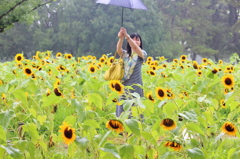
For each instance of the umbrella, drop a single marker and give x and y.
(132, 4)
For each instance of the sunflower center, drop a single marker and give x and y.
(168, 122)
(228, 81)
(117, 87)
(92, 69)
(28, 71)
(56, 91)
(68, 133)
(19, 58)
(150, 98)
(214, 71)
(229, 128)
(114, 125)
(161, 93)
(152, 73)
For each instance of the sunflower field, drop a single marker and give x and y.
(59, 106)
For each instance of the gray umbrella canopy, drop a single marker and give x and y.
(132, 4)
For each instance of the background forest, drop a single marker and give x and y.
(210, 28)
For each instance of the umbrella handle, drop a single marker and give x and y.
(122, 17)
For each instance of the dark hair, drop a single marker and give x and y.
(129, 50)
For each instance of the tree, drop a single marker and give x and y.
(18, 11)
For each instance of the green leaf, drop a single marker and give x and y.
(111, 149)
(42, 119)
(149, 137)
(230, 152)
(51, 99)
(196, 153)
(31, 128)
(169, 108)
(195, 128)
(21, 95)
(3, 134)
(96, 99)
(104, 139)
(133, 126)
(92, 123)
(5, 118)
(82, 142)
(127, 152)
(15, 153)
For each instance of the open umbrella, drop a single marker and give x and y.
(132, 4)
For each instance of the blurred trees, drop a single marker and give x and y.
(168, 28)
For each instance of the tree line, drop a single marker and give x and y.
(209, 28)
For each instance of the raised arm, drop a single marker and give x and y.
(132, 44)
(120, 42)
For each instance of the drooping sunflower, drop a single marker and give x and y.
(28, 71)
(161, 93)
(19, 57)
(68, 134)
(170, 95)
(215, 71)
(150, 97)
(228, 81)
(168, 124)
(229, 129)
(175, 60)
(174, 145)
(222, 103)
(115, 125)
(118, 86)
(57, 92)
(92, 68)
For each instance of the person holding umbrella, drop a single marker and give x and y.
(133, 58)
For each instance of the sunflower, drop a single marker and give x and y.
(168, 124)
(150, 97)
(28, 71)
(58, 55)
(19, 57)
(1, 82)
(48, 92)
(228, 81)
(152, 72)
(33, 76)
(174, 145)
(102, 60)
(199, 73)
(57, 92)
(223, 103)
(149, 58)
(170, 95)
(4, 98)
(175, 60)
(183, 58)
(92, 68)
(229, 129)
(161, 93)
(119, 87)
(69, 56)
(204, 60)
(112, 85)
(220, 62)
(67, 133)
(115, 125)
(215, 71)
